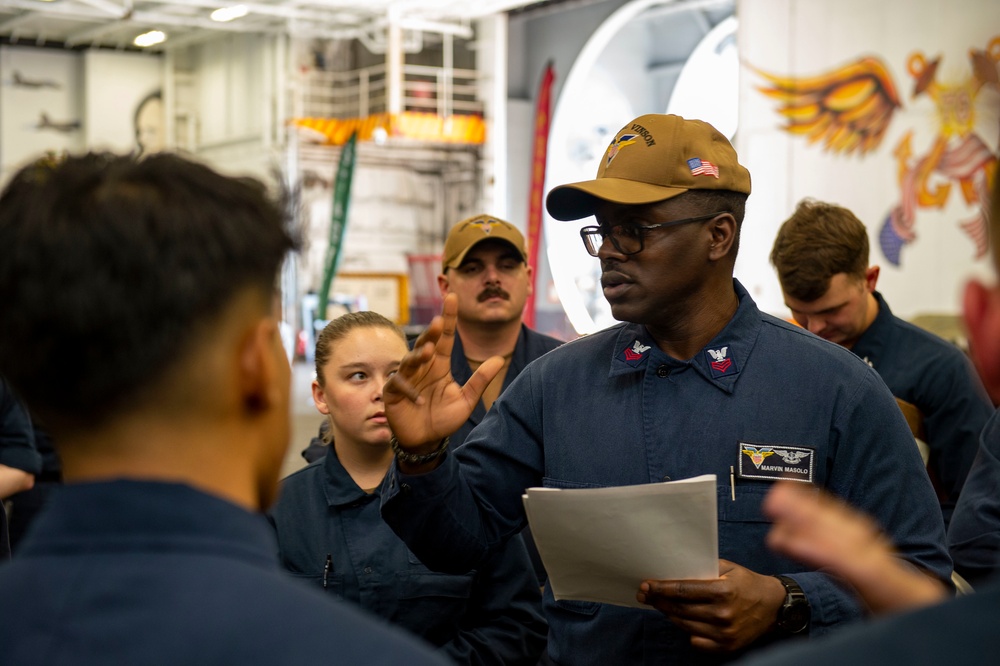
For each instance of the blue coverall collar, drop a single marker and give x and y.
(719, 362)
(338, 485)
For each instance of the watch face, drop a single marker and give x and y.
(794, 616)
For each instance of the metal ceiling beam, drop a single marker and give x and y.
(187, 39)
(107, 7)
(15, 21)
(58, 9)
(497, 7)
(156, 19)
(92, 34)
(336, 19)
(141, 19)
(440, 27)
(278, 10)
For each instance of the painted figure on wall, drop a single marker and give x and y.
(848, 109)
(149, 124)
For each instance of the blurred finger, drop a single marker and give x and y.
(788, 500)
(431, 333)
(412, 369)
(680, 591)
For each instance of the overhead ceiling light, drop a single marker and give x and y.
(229, 13)
(150, 38)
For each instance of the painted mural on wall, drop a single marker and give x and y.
(849, 108)
(45, 121)
(148, 124)
(39, 109)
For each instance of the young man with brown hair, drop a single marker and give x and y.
(958, 632)
(821, 257)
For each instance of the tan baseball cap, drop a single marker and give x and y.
(653, 158)
(469, 232)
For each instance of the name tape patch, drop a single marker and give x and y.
(775, 462)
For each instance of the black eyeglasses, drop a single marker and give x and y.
(628, 238)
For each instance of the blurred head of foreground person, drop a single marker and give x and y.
(138, 326)
(982, 311)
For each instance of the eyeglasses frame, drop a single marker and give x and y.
(596, 230)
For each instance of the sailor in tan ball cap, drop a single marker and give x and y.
(694, 380)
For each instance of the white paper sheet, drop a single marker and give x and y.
(599, 544)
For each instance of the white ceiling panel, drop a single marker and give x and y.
(115, 23)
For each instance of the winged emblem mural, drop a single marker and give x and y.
(848, 110)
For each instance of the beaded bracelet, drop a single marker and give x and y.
(417, 458)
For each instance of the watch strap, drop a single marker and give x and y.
(794, 613)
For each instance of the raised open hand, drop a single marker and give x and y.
(423, 402)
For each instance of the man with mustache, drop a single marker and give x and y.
(484, 265)
(695, 380)
(821, 257)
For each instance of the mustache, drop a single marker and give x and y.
(492, 292)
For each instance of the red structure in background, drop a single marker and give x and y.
(538, 158)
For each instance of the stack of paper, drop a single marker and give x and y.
(599, 544)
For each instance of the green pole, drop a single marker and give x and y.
(338, 220)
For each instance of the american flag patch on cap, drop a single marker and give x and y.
(700, 167)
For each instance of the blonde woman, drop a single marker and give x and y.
(330, 533)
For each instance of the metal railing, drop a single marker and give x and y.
(364, 92)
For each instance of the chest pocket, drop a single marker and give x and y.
(425, 584)
(549, 482)
(418, 582)
(571, 611)
(432, 605)
(747, 507)
(743, 527)
(334, 582)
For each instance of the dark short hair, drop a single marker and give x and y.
(111, 265)
(817, 242)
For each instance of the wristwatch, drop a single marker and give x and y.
(794, 614)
